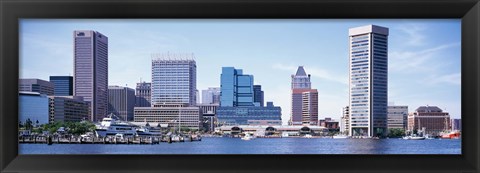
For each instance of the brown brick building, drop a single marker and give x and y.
(430, 117)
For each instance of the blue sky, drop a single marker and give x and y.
(424, 55)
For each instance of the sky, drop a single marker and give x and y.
(424, 55)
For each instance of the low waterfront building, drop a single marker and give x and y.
(264, 122)
(329, 123)
(33, 106)
(175, 116)
(432, 118)
(397, 117)
(68, 108)
(36, 85)
(241, 115)
(277, 130)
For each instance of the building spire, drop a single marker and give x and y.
(300, 71)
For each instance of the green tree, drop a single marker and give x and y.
(28, 124)
(396, 132)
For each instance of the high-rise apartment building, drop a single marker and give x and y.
(211, 95)
(304, 100)
(174, 79)
(397, 117)
(90, 79)
(36, 85)
(368, 67)
(143, 94)
(121, 101)
(258, 95)
(63, 85)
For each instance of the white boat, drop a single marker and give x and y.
(247, 137)
(111, 126)
(308, 136)
(341, 137)
(414, 137)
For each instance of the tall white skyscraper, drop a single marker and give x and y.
(174, 80)
(368, 99)
(90, 79)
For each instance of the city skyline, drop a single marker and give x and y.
(330, 75)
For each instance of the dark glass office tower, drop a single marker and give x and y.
(63, 85)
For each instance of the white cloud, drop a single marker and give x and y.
(315, 72)
(414, 34)
(454, 79)
(414, 61)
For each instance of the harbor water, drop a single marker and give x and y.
(228, 145)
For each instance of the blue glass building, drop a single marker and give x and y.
(33, 106)
(63, 85)
(237, 98)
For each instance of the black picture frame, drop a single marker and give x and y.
(13, 10)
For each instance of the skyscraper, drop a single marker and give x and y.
(237, 105)
(174, 79)
(121, 101)
(63, 85)
(368, 57)
(258, 95)
(236, 88)
(143, 94)
(90, 79)
(173, 93)
(304, 100)
(211, 95)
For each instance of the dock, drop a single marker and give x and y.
(107, 140)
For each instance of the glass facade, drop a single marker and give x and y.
(174, 81)
(33, 106)
(63, 85)
(368, 80)
(241, 115)
(237, 104)
(236, 88)
(258, 95)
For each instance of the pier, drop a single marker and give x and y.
(34, 139)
